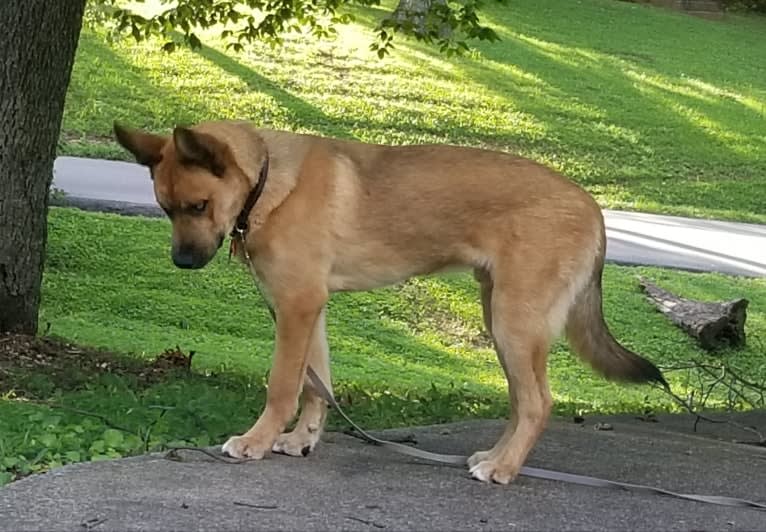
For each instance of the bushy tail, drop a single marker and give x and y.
(589, 336)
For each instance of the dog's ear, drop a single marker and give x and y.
(145, 147)
(199, 149)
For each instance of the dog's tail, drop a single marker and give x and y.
(590, 338)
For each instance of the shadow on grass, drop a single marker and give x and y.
(105, 84)
(300, 112)
(305, 115)
(575, 86)
(671, 43)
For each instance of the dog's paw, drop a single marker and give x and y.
(494, 471)
(478, 456)
(245, 447)
(299, 442)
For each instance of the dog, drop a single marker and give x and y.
(339, 215)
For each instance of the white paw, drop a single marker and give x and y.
(493, 471)
(244, 447)
(478, 456)
(299, 442)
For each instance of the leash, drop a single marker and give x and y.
(451, 459)
(532, 472)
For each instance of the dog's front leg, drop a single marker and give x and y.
(302, 439)
(296, 320)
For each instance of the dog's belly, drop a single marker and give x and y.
(357, 273)
(358, 281)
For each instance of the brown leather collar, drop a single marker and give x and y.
(240, 228)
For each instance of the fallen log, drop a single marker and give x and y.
(713, 324)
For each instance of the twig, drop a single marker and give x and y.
(715, 383)
(172, 454)
(757, 387)
(366, 522)
(92, 523)
(733, 390)
(699, 417)
(712, 369)
(105, 420)
(405, 438)
(257, 506)
(148, 432)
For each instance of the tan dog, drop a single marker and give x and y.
(340, 215)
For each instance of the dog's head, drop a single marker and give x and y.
(197, 182)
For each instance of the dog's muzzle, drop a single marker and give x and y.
(189, 258)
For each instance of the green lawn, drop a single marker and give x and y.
(649, 109)
(411, 354)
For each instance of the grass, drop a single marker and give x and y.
(407, 355)
(649, 109)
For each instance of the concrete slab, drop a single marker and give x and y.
(632, 238)
(349, 485)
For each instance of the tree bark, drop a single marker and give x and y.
(38, 41)
(416, 12)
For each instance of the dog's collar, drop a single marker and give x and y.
(240, 228)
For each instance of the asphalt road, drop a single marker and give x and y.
(633, 238)
(348, 485)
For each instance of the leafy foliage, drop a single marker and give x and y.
(247, 21)
(757, 6)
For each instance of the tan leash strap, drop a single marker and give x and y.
(532, 472)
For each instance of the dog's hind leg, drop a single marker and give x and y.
(525, 311)
(485, 289)
(308, 429)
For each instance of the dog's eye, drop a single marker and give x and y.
(200, 207)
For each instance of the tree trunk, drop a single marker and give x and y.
(416, 12)
(38, 40)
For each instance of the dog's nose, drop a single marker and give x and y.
(184, 258)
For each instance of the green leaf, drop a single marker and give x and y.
(49, 440)
(10, 461)
(72, 456)
(113, 438)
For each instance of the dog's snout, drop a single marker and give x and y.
(187, 258)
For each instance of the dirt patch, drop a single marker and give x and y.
(69, 366)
